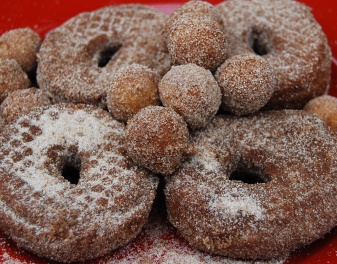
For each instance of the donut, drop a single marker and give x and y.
(192, 92)
(76, 58)
(325, 107)
(21, 102)
(68, 190)
(247, 83)
(258, 186)
(194, 35)
(157, 138)
(12, 78)
(286, 34)
(132, 88)
(22, 45)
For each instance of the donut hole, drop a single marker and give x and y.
(259, 41)
(106, 55)
(249, 174)
(71, 169)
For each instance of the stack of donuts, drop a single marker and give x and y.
(227, 104)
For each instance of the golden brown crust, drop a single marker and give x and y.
(157, 138)
(132, 88)
(12, 78)
(192, 92)
(258, 187)
(22, 45)
(55, 217)
(194, 35)
(21, 102)
(247, 83)
(325, 107)
(286, 34)
(74, 58)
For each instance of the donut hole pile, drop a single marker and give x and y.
(186, 97)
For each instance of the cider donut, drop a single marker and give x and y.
(158, 139)
(325, 107)
(22, 45)
(258, 187)
(12, 78)
(76, 58)
(286, 34)
(68, 192)
(21, 102)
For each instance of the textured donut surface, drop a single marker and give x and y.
(45, 212)
(286, 34)
(71, 59)
(258, 187)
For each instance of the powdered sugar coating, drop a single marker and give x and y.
(192, 92)
(158, 139)
(247, 83)
(286, 34)
(132, 88)
(69, 60)
(291, 204)
(12, 78)
(21, 102)
(22, 45)
(194, 35)
(45, 213)
(325, 107)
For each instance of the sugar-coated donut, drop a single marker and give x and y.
(247, 83)
(12, 78)
(192, 92)
(132, 88)
(68, 190)
(21, 102)
(22, 45)
(194, 35)
(258, 187)
(158, 139)
(286, 34)
(76, 58)
(325, 107)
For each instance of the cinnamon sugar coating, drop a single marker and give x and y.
(132, 88)
(22, 45)
(77, 58)
(247, 83)
(286, 34)
(194, 35)
(12, 78)
(45, 210)
(325, 107)
(157, 138)
(21, 102)
(258, 187)
(192, 92)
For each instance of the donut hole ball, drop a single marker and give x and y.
(133, 87)
(21, 45)
(12, 78)
(198, 8)
(158, 139)
(192, 92)
(21, 102)
(325, 107)
(247, 83)
(198, 39)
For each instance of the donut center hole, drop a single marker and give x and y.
(249, 175)
(106, 55)
(259, 42)
(71, 170)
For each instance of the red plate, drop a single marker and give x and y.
(158, 242)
